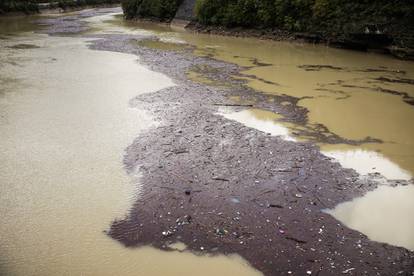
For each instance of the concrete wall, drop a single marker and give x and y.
(186, 10)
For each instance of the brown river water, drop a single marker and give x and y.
(65, 122)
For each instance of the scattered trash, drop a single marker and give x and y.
(237, 235)
(167, 233)
(271, 205)
(221, 231)
(348, 270)
(235, 200)
(220, 179)
(295, 240)
(186, 220)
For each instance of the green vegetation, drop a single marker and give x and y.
(163, 10)
(30, 6)
(26, 6)
(329, 18)
(335, 20)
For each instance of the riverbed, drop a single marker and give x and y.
(65, 122)
(105, 126)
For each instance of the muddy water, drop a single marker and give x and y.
(368, 214)
(64, 125)
(262, 120)
(345, 98)
(354, 95)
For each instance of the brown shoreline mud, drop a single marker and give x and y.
(221, 187)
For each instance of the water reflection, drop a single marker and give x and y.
(11, 25)
(262, 120)
(384, 215)
(366, 162)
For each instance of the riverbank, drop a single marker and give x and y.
(381, 26)
(65, 121)
(283, 35)
(15, 8)
(221, 187)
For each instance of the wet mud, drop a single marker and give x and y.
(221, 187)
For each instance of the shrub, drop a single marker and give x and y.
(336, 18)
(26, 6)
(30, 6)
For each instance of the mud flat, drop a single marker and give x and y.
(221, 187)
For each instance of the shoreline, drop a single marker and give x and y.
(280, 35)
(221, 187)
(53, 8)
(406, 54)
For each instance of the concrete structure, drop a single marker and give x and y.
(185, 13)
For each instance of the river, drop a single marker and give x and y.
(65, 121)
(362, 97)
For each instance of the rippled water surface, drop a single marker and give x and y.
(64, 124)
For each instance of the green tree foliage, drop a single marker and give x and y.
(26, 6)
(162, 9)
(30, 6)
(290, 14)
(334, 18)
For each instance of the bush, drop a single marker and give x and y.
(26, 6)
(331, 18)
(30, 6)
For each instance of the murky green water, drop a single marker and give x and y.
(64, 124)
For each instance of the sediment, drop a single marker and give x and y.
(222, 188)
